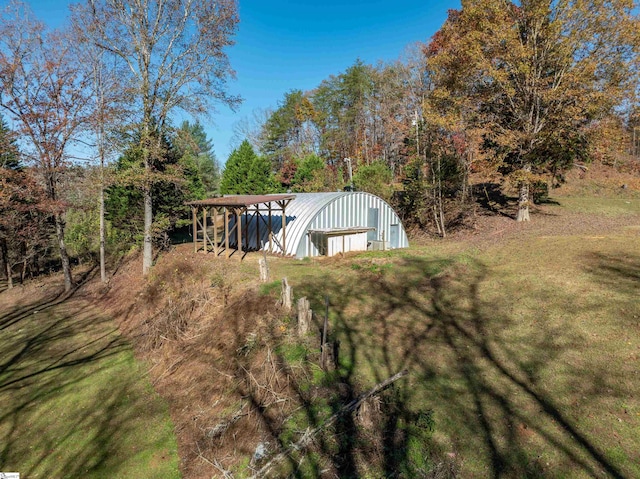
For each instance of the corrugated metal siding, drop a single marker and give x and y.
(323, 210)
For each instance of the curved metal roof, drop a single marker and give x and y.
(302, 211)
(344, 209)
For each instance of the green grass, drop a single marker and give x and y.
(601, 206)
(75, 403)
(525, 353)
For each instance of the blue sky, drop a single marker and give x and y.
(285, 45)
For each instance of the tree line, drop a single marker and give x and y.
(107, 84)
(514, 92)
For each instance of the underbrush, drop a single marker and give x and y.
(244, 388)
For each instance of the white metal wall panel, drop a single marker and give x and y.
(346, 243)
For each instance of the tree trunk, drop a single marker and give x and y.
(6, 265)
(103, 269)
(3, 258)
(440, 207)
(147, 252)
(264, 269)
(523, 199)
(64, 256)
(23, 271)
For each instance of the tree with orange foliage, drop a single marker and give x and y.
(23, 228)
(44, 90)
(533, 75)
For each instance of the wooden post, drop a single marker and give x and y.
(226, 232)
(239, 231)
(245, 234)
(284, 230)
(270, 231)
(264, 267)
(257, 216)
(215, 231)
(194, 214)
(325, 327)
(305, 314)
(264, 270)
(204, 229)
(286, 296)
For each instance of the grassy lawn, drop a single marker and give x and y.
(524, 352)
(75, 403)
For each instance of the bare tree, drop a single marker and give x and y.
(175, 56)
(249, 128)
(45, 92)
(109, 112)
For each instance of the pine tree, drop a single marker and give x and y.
(8, 150)
(246, 173)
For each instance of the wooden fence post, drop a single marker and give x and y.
(325, 327)
(286, 296)
(305, 315)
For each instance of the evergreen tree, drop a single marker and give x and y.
(8, 149)
(309, 170)
(376, 178)
(247, 173)
(196, 151)
(24, 225)
(177, 181)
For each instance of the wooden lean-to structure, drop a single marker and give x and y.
(220, 224)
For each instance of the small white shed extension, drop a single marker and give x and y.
(329, 223)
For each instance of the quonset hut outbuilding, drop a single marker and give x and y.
(315, 224)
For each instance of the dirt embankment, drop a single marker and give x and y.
(209, 338)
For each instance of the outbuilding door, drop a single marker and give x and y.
(394, 236)
(372, 222)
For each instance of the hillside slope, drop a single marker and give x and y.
(520, 341)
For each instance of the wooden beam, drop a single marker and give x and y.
(283, 205)
(194, 215)
(215, 231)
(239, 231)
(204, 229)
(284, 233)
(226, 232)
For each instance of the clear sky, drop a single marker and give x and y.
(285, 45)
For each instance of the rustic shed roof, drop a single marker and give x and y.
(240, 200)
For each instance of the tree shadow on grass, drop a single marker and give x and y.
(491, 198)
(485, 380)
(72, 403)
(28, 307)
(618, 272)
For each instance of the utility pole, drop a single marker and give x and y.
(348, 161)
